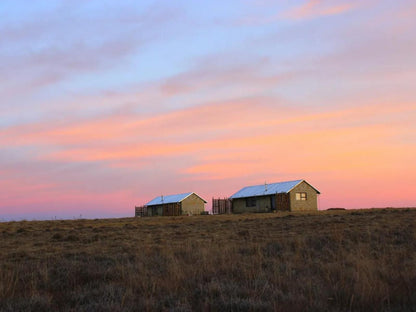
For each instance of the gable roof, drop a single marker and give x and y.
(268, 189)
(169, 199)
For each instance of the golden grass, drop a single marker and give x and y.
(324, 261)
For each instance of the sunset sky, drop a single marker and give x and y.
(105, 105)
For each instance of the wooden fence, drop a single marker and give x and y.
(140, 211)
(221, 206)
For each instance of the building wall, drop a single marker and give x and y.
(156, 210)
(283, 201)
(311, 202)
(193, 205)
(263, 204)
(171, 209)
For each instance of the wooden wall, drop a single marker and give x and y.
(171, 209)
(282, 202)
(263, 204)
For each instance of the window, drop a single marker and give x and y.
(301, 196)
(251, 202)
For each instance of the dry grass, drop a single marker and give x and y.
(336, 261)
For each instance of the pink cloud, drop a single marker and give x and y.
(227, 125)
(317, 8)
(225, 147)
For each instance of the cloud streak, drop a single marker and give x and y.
(318, 8)
(41, 53)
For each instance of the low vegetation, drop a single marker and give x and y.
(338, 260)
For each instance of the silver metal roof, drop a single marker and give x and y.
(168, 199)
(266, 189)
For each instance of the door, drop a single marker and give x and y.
(273, 202)
(283, 202)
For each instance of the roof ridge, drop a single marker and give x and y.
(267, 189)
(276, 182)
(169, 195)
(172, 198)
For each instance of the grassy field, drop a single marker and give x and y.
(361, 260)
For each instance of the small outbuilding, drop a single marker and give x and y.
(176, 205)
(296, 195)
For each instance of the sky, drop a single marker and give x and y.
(105, 105)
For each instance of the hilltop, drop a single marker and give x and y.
(328, 260)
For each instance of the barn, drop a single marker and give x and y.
(296, 195)
(175, 205)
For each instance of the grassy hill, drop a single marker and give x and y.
(332, 260)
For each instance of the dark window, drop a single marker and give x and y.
(251, 202)
(301, 196)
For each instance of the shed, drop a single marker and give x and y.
(297, 195)
(175, 205)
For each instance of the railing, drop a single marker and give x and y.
(221, 206)
(140, 211)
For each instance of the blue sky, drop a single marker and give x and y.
(109, 104)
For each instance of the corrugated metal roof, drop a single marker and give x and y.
(177, 198)
(168, 199)
(266, 189)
